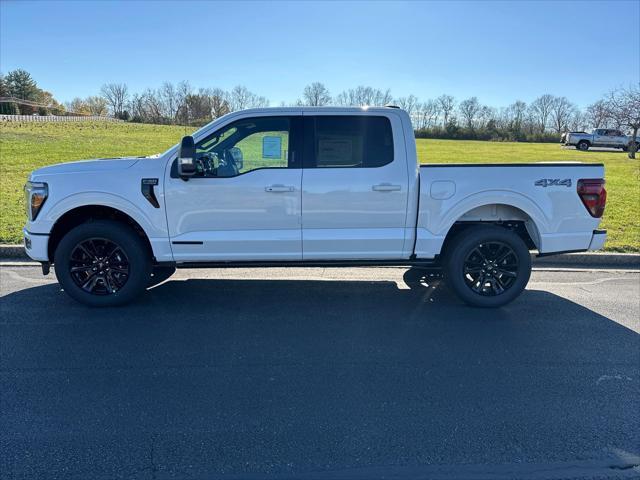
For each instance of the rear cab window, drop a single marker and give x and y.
(347, 141)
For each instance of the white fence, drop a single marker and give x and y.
(56, 118)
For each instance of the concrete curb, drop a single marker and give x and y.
(13, 252)
(589, 260)
(573, 260)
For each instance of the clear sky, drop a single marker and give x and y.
(497, 51)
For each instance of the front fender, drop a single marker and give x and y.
(153, 223)
(104, 199)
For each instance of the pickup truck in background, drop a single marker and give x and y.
(599, 137)
(306, 187)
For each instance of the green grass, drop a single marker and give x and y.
(26, 146)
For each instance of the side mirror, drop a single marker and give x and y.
(187, 157)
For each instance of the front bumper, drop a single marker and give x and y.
(36, 245)
(597, 239)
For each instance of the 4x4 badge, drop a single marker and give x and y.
(551, 182)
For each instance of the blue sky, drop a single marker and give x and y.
(497, 51)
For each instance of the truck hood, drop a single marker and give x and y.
(87, 166)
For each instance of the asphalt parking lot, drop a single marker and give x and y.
(321, 373)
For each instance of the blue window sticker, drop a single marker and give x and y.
(271, 147)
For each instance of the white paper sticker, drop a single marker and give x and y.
(271, 147)
(335, 150)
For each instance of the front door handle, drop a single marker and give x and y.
(386, 187)
(279, 188)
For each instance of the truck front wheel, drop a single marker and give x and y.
(102, 263)
(583, 145)
(487, 266)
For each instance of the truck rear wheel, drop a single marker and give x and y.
(487, 266)
(583, 145)
(102, 263)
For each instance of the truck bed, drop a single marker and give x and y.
(541, 195)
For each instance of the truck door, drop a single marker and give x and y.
(354, 187)
(618, 139)
(244, 203)
(600, 137)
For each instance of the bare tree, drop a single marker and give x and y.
(153, 107)
(199, 106)
(408, 104)
(169, 98)
(428, 112)
(469, 110)
(78, 106)
(241, 98)
(219, 102)
(540, 111)
(561, 112)
(116, 95)
(486, 115)
(578, 121)
(597, 114)
(382, 97)
(316, 95)
(623, 106)
(365, 95)
(136, 108)
(516, 113)
(183, 90)
(97, 105)
(362, 95)
(446, 103)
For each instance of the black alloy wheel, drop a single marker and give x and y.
(491, 268)
(99, 266)
(103, 263)
(487, 265)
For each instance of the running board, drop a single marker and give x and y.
(414, 263)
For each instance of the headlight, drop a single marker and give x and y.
(35, 195)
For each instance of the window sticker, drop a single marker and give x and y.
(271, 147)
(335, 149)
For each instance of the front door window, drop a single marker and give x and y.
(246, 145)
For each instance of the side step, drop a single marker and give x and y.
(427, 264)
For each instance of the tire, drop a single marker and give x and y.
(583, 145)
(625, 148)
(160, 274)
(464, 268)
(108, 245)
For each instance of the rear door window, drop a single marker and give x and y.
(348, 141)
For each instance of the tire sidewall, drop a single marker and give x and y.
(469, 239)
(583, 146)
(129, 242)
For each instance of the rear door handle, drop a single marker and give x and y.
(386, 187)
(279, 188)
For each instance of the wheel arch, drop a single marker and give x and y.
(86, 213)
(515, 218)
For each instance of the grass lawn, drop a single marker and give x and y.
(26, 146)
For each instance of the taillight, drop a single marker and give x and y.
(593, 195)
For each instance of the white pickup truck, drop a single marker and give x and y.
(306, 187)
(599, 137)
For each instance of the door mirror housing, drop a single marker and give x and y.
(187, 157)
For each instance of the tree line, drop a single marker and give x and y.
(542, 120)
